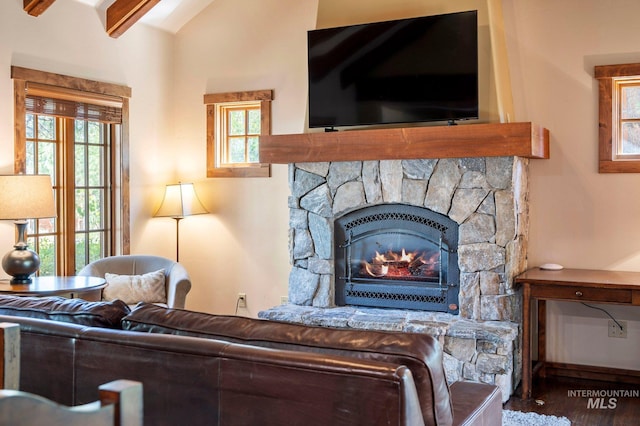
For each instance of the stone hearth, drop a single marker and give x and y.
(486, 196)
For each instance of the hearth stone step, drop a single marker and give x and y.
(483, 351)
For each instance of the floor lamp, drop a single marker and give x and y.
(180, 200)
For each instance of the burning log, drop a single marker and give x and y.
(400, 265)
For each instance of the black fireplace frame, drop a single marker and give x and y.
(432, 226)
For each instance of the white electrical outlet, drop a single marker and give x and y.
(242, 300)
(615, 330)
(284, 300)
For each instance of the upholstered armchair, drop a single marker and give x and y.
(137, 268)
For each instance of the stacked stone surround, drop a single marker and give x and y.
(487, 197)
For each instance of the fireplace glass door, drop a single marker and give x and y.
(394, 255)
(397, 256)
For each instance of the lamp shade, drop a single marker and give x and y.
(180, 200)
(26, 197)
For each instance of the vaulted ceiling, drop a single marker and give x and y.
(120, 15)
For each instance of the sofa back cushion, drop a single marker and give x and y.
(76, 311)
(421, 353)
(195, 381)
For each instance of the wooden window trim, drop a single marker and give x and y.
(254, 170)
(22, 77)
(607, 117)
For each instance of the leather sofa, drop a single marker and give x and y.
(198, 368)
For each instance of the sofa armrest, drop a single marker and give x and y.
(476, 404)
(178, 285)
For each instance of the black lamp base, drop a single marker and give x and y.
(21, 263)
(17, 280)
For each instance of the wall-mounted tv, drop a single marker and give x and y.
(404, 71)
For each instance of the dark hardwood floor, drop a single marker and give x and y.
(562, 396)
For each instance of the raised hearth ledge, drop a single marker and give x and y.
(437, 324)
(472, 350)
(467, 140)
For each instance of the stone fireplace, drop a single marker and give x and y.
(486, 197)
(474, 175)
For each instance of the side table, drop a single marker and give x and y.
(577, 285)
(88, 288)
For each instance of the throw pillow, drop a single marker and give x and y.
(75, 311)
(132, 289)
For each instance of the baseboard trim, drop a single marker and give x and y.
(590, 372)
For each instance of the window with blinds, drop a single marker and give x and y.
(77, 137)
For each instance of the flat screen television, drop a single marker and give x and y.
(403, 71)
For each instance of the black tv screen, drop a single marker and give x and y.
(403, 71)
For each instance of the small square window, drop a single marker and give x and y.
(628, 111)
(235, 122)
(238, 132)
(619, 122)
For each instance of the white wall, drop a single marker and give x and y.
(579, 218)
(243, 246)
(69, 38)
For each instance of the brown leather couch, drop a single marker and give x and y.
(224, 370)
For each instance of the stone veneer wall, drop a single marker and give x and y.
(487, 197)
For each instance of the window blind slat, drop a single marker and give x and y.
(70, 109)
(69, 103)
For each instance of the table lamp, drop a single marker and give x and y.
(24, 197)
(180, 200)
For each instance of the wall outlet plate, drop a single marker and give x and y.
(616, 331)
(284, 300)
(242, 300)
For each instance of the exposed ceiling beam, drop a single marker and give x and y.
(36, 7)
(122, 14)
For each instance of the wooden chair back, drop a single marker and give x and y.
(120, 402)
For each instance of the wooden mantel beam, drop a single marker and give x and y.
(474, 140)
(36, 7)
(122, 14)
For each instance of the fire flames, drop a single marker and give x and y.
(403, 265)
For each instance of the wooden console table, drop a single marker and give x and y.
(577, 285)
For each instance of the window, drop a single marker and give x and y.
(235, 122)
(239, 126)
(78, 138)
(619, 118)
